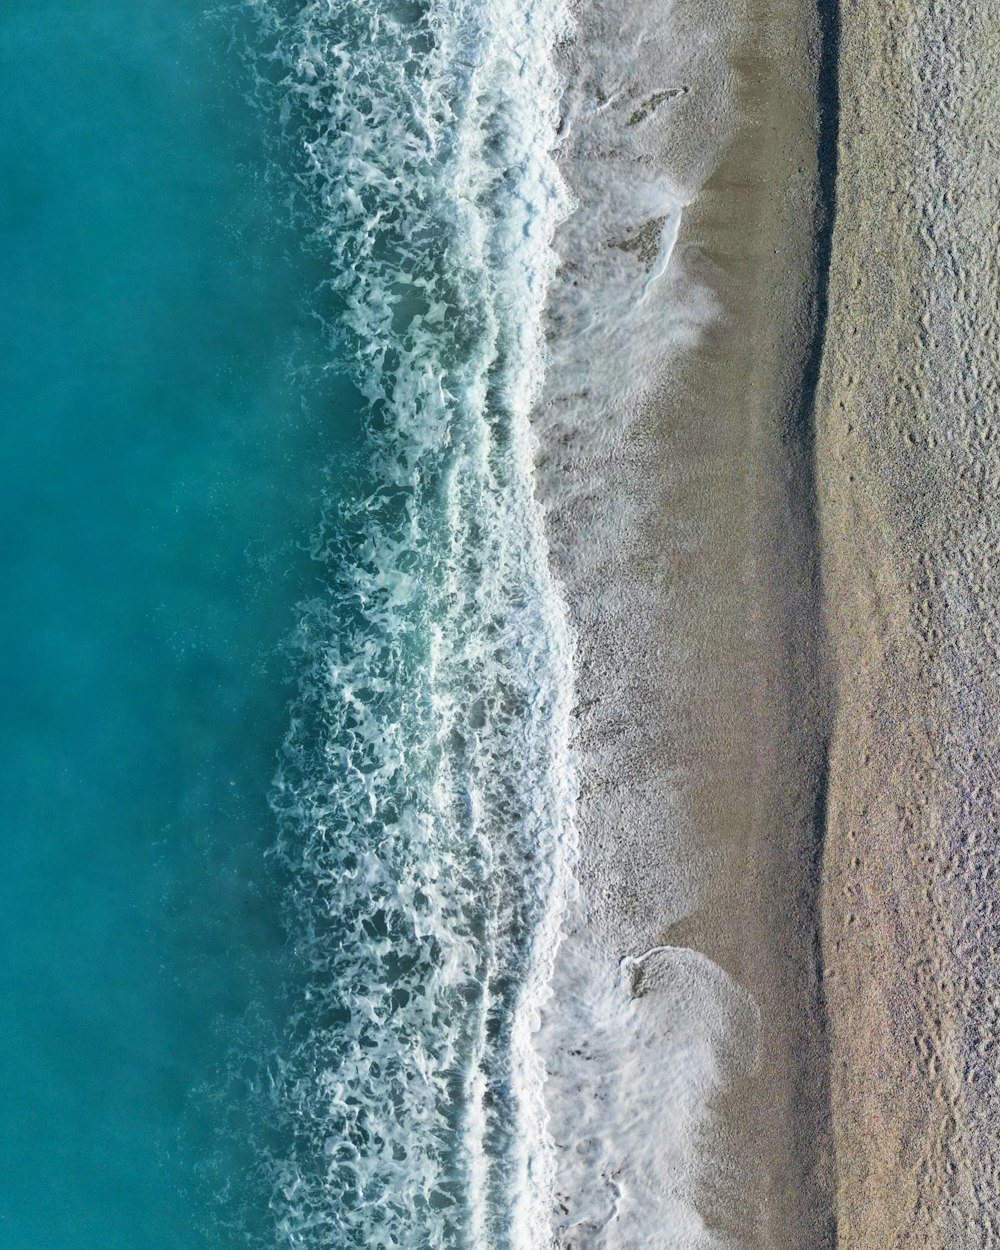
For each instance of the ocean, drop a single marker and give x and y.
(288, 788)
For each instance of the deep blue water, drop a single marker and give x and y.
(159, 473)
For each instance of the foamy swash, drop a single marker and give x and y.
(425, 797)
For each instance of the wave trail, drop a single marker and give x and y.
(425, 795)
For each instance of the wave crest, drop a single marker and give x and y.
(425, 795)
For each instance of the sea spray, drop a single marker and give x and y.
(425, 793)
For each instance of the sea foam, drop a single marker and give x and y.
(644, 1041)
(426, 791)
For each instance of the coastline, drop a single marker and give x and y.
(682, 520)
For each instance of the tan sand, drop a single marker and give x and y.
(683, 521)
(909, 427)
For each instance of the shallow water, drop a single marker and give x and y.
(425, 795)
(205, 1043)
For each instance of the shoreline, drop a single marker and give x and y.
(683, 527)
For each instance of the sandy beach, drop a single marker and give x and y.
(772, 514)
(682, 510)
(908, 421)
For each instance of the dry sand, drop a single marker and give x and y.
(909, 429)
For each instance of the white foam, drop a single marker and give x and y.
(668, 240)
(426, 793)
(634, 1076)
(637, 1053)
(647, 110)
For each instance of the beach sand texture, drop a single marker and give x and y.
(774, 522)
(682, 514)
(908, 427)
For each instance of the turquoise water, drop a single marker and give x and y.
(159, 473)
(243, 1006)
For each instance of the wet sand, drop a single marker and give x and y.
(683, 519)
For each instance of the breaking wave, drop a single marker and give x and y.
(425, 797)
